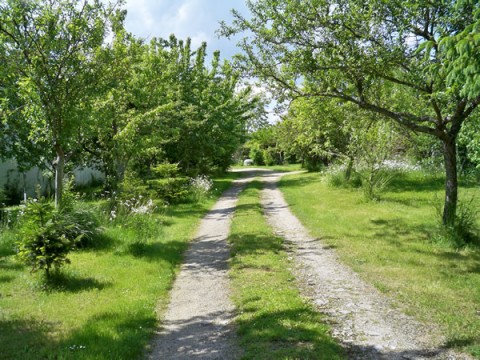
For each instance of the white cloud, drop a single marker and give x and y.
(197, 19)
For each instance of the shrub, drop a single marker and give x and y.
(256, 154)
(465, 231)
(199, 187)
(47, 235)
(168, 185)
(375, 181)
(268, 158)
(335, 177)
(84, 226)
(171, 190)
(165, 170)
(44, 237)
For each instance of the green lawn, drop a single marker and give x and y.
(106, 304)
(390, 243)
(274, 321)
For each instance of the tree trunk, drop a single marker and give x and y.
(59, 171)
(451, 181)
(348, 172)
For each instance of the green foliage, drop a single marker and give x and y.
(172, 190)
(263, 146)
(469, 139)
(413, 62)
(165, 170)
(170, 106)
(317, 131)
(375, 182)
(336, 177)
(374, 144)
(465, 231)
(53, 67)
(199, 188)
(268, 158)
(45, 237)
(256, 154)
(82, 223)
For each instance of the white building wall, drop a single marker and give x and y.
(29, 181)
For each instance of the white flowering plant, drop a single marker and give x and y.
(199, 187)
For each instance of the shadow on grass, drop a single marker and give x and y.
(171, 252)
(291, 334)
(418, 182)
(390, 229)
(20, 339)
(355, 351)
(402, 182)
(6, 278)
(185, 211)
(470, 344)
(66, 282)
(241, 209)
(7, 264)
(113, 335)
(101, 242)
(248, 244)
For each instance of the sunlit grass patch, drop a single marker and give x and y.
(391, 244)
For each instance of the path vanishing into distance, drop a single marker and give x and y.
(199, 321)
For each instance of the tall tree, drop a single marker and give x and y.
(183, 110)
(51, 48)
(351, 49)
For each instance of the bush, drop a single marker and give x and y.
(375, 181)
(465, 231)
(44, 240)
(335, 177)
(171, 190)
(268, 158)
(199, 187)
(168, 185)
(46, 235)
(256, 154)
(84, 226)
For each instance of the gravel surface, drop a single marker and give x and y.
(198, 320)
(361, 318)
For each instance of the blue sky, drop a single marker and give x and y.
(197, 19)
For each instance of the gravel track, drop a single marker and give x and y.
(198, 320)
